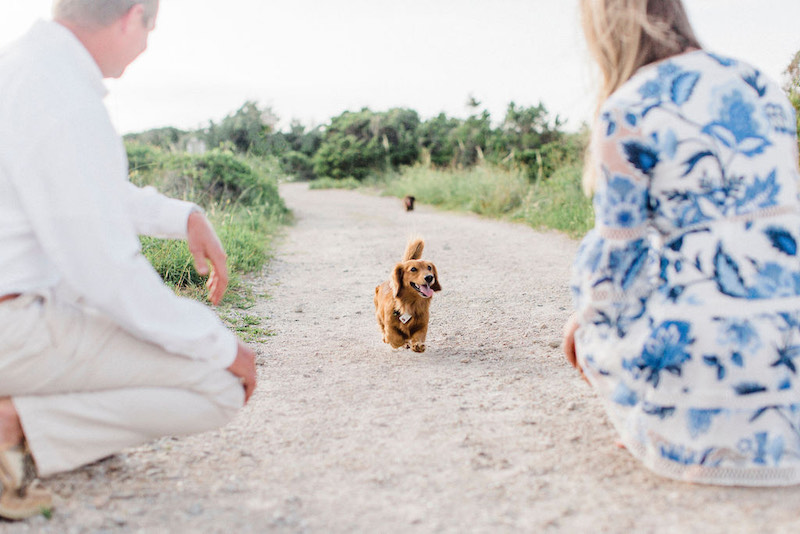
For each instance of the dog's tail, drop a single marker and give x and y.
(414, 249)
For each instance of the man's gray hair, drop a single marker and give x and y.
(100, 13)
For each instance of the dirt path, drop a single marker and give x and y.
(488, 431)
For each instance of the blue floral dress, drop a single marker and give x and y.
(688, 289)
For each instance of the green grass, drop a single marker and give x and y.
(556, 203)
(481, 189)
(250, 328)
(246, 235)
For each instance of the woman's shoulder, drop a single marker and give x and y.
(675, 80)
(699, 60)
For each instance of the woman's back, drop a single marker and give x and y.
(687, 289)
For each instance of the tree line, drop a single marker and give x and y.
(357, 144)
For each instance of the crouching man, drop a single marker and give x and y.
(96, 353)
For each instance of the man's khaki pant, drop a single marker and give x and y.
(85, 389)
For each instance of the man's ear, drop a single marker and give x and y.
(135, 15)
(396, 281)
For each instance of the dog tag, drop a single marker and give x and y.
(405, 318)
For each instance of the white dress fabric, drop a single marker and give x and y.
(688, 289)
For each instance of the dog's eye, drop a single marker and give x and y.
(413, 269)
(429, 268)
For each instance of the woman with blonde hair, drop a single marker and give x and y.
(687, 291)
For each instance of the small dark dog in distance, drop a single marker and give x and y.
(408, 202)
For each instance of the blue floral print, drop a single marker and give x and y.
(641, 156)
(688, 288)
(672, 84)
(782, 240)
(625, 202)
(736, 127)
(699, 421)
(739, 334)
(665, 350)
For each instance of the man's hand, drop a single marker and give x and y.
(244, 366)
(206, 248)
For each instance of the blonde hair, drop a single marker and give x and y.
(625, 35)
(100, 13)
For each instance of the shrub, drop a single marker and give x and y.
(362, 143)
(298, 165)
(222, 176)
(143, 159)
(215, 177)
(343, 155)
(437, 139)
(167, 138)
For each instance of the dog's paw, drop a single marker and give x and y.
(418, 347)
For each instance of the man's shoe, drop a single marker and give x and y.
(20, 498)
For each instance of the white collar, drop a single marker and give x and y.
(53, 35)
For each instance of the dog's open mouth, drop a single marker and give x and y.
(424, 290)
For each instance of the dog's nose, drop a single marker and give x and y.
(429, 278)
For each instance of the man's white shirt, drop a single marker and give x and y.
(69, 217)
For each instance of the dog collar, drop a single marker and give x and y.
(403, 318)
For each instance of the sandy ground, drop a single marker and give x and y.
(488, 431)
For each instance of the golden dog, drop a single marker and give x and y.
(402, 303)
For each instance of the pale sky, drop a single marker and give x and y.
(313, 59)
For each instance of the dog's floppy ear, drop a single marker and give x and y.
(436, 286)
(396, 281)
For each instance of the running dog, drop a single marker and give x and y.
(402, 303)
